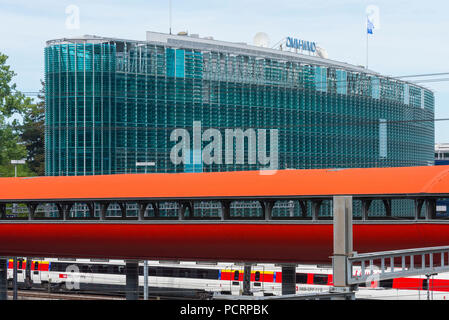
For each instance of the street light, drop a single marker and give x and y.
(145, 262)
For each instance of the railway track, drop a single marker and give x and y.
(44, 295)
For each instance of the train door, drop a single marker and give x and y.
(236, 280)
(35, 274)
(257, 279)
(21, 270)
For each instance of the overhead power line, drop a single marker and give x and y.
(432, 80)
(423, 75)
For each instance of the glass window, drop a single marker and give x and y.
(321, 78)
(406, 94)
(375, 88)
(383, 138)
(342, 85)
(320, 279)
(301, 278)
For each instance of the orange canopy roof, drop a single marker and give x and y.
(430, 180)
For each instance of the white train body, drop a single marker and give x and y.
(197, 280)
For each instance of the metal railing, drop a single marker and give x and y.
(397, 264)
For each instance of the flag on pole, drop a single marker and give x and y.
(369, 26)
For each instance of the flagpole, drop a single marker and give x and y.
(367, 36)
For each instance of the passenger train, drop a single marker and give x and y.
(201, 280)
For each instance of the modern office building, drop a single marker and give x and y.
(114, 103)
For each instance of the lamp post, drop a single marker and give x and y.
(14, 260)
(145, 262)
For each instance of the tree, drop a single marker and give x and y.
(12, 105)
(33, 134)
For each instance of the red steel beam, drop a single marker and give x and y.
(255, 242)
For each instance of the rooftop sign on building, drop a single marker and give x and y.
(300, 44)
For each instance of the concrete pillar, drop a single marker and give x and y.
(267, 207)
(3, 278)
(342, 207)
(142, 209)
(288, 279)
(387, 205)
(431, 209)
(103, 210)
(366, 204)
(132, 280)
(31, 211)
(225, 210)
(247, 280)
(316, 205)
(418, 207)
(145, 280)
(2, 211)
(14, 279)
(303, 205)
(155, 206)
(123, 209)
(28, 281)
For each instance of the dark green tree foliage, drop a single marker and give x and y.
(33, 134)
(12, 106)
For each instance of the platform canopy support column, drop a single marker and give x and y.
(247, 280)
(342, 207)
(3, 278)
(288, 279)
(132, 280)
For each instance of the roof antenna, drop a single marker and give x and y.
(169, 14)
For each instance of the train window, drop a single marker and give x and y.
(167, 272)
(236, 275)
(62, 267)
(85, 268)
(193, 273)
(183, 273)
(140, 270)
(386, 283)
(257, 276)
(320, 279)
(202, 274)
(175, 272)
(95, 268)
(121, 269)
(301, 278)
(102, 268)
(20, 264)
(257, 284)
(212, 274)
(36, 266)
(159, 272)
(152, 272)
(424, 284)
(54, 266)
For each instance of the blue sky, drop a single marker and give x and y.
(413, 38)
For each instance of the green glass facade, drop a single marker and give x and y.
(113, 103)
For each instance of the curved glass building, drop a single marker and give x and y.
(113, 103)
